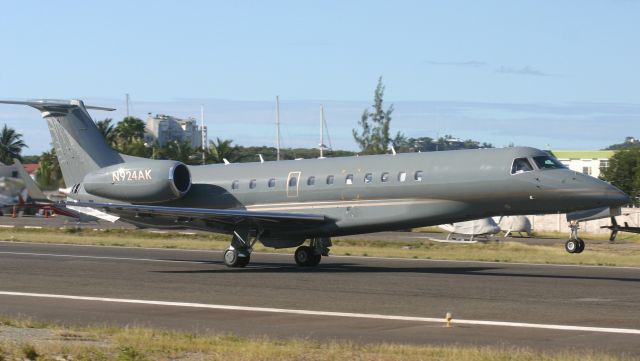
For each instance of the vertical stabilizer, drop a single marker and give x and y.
(32, 188)
(79, 145)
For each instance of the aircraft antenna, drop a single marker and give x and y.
(277, 128)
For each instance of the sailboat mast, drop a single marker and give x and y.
(321, 131)
(202, 133)
(277, 127)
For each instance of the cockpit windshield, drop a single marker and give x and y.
(521, 165)
(545, 162)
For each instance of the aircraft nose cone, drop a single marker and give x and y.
(616, 197)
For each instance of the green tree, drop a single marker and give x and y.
(129, 137)
(222, 149)
(130, 128)
(629, 143)
(624, 172)
(180, 151)
(11, 145)
(135, 147)
(49, 174)
(373, 137)
(107, 130)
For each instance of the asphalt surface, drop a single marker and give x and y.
(539, 294)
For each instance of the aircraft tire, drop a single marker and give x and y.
(304, 256)
(315, 260)
(244, 261)
(571, 246)
(232, 258)
(580, 246)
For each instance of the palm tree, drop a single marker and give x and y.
(222, 149)
(180, 151)
(49, 174)
(130, 128)
(107, 130)
(11, 145)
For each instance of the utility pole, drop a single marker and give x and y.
(126, 96)
(277, 128)
(203, 136)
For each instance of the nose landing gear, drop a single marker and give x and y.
(575, 244)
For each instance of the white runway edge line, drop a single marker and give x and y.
(325, 313)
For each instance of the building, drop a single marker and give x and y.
(584, 161)
(165, 128)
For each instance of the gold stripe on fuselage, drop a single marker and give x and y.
(337, 204)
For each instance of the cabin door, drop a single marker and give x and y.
(293, 184)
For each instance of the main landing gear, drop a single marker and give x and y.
(310, 256)
(575, 244)
(239, 252)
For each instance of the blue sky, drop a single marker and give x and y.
(556, 73)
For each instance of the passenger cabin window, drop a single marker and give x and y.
(293, 181)
(368, 178)
(349, 179)
(402, 176)
(272, 182)
(311, 181)
(252, 183)
(384, 177)
(235, 184)
(544, 162)
(521, 165)
(418, 176)
(330, 179)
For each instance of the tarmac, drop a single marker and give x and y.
(359, 299)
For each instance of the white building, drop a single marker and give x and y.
(165, 128)
(589, 162)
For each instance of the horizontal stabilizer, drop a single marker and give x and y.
(43, 104)
(93, 213)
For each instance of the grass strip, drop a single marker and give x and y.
(626, 253)
(104, 342)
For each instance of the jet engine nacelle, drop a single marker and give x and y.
(148, 181)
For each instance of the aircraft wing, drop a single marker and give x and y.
(229, 216)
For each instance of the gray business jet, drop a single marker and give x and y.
(284, 204)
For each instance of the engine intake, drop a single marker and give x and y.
(149, 181)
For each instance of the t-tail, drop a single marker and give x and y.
(93, 171)
(79, 145)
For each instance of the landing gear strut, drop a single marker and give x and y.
(310, 256)
(575, 244)
(239, 252)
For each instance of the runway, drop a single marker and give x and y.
(404, 298)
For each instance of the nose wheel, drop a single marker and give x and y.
(575, 244)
